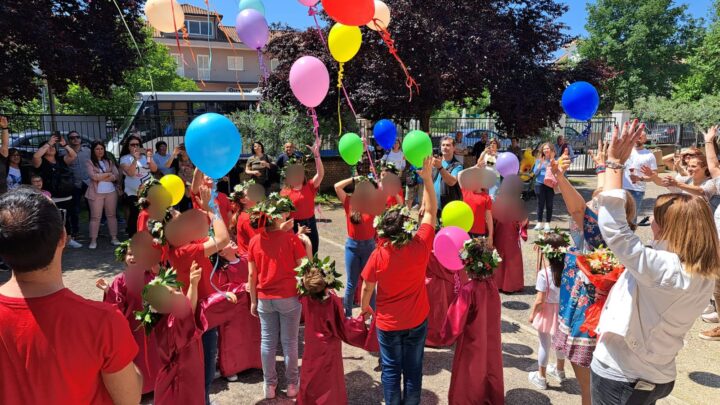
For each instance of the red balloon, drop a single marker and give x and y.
(350, 12)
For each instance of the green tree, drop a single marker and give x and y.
(158, 64)
(273, 125)
(702, 113)
(646, 42)
(704, 65)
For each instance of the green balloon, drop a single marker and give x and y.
(351, 148)
(417, 146)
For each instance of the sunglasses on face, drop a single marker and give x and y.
(73, 137)
(134, 144)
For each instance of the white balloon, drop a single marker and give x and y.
(381, 18)
(160, 15)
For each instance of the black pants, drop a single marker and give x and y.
(133, 212)
(313, 235)
(79, 202)
(545, 196)
(68, 206)
(611, 392)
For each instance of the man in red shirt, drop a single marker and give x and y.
(397, 267)
(55, 346)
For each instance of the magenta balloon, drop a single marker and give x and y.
(308, 3)
(309, 81)
(252, 28)
(447, 245)
(507, 164)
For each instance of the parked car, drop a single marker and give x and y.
(28, 142)
(473, 136)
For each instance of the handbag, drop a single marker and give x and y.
(550, 179)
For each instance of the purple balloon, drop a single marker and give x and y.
(252, 28)
(309, 81)
(507, 164)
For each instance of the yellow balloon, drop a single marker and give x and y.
(344, 42)
(175, 186)
(458, 213)
(382, 17)
(160, 199)
(160, 15)
(528, 160)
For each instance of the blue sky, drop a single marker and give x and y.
(295, 14)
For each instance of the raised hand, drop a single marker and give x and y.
(205, 196)
(315, 148)
(102, 284)
(647, 171)
(622, 145)
(601, 154)
(195, 273)
(711, 134)
(3, 122)
(426, 172)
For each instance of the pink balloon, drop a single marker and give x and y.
(447, 245)
(308, 3)
(507, 164)
(309, 81)
(252, 28)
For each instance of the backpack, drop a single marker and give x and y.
(449, 193)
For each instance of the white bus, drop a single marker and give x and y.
(166, 115)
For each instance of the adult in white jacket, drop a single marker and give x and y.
(661, 293)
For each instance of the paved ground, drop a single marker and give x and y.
(698, 363)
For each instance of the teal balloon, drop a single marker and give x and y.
(351, 148)
(214, 144)
(253, 4)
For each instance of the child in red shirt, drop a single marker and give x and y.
(272, 257)
(302, 193)
(391, 185)
(481, 204)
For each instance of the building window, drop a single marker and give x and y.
(202, 28)
(274, 63)
(236, 63)
(203, 64)
(180, 69)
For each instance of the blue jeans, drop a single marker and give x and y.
(279, 320)
(611, 392)
(639, 196)
(401, 356)
(357, 254)
(210, 351)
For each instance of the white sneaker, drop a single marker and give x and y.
(711, 317)
(292, 390)
(709, 309)
(547, 227)
(553, 372)
(269, 391)
(92, 245)
(538, 227)
(232, 378)
(74, 244)
(115, 242)
(537, 381)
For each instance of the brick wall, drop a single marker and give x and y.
(335, 170)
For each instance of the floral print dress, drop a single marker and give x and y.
(576, 294)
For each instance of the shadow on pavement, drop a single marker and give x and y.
(517, 349)
(362, 388)
(507, 327)
(520, 363)
(706, 379)
(525, 396)
(516, 305)
(437, 361)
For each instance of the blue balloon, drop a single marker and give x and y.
(253, 4)
(214, 144)
(385, 134)
(580, 101)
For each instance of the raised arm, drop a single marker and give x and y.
(38, 155)
(429, 197)
(340, 188)
(5, 140)
(171, 159)
(151, 161)
(574, 202)
(711, 153)
(319, 167)
(130, 169)
(197, 181)
(447, 177)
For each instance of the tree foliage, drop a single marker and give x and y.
(704, 65)
(273, 125)
(646, 41)
(455, 51)
(702, 113)
(69, 41)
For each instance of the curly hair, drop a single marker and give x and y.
(393, 223)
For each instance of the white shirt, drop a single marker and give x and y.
(105, 187)
(546, 285)
(14, 178)
(143, 173)
(396, 158)
(651, 307)
(460, 148)
(638, 159)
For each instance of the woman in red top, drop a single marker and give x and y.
(397, 267)
(273, 255)
(361, 233)
(302, 194)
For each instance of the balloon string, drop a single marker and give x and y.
(341, 73)
(235, 51)
(186, 41)
(313, 13)
(263, 67)
(370, 159)
(588, 130)
(207, 3)
(410, 82)
(137, 48)
(316, 124)
(177, 36)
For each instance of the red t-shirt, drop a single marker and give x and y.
(275, 255)
(362, 231)
(402, 301)
(480, 203)
(392, 200)
(304, 200)
(181, 259)
(223, 205)
(142, 221)
(245, 232)
(54, 348)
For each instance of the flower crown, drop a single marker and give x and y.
(121, 251)
(149, 317)
(315, 277)
(157, 228)
(273, 207)
(144, 190)
(549, 251)
(479, 258)
(408, 228)
(292, 161)
(240, 190)
(388, 167)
